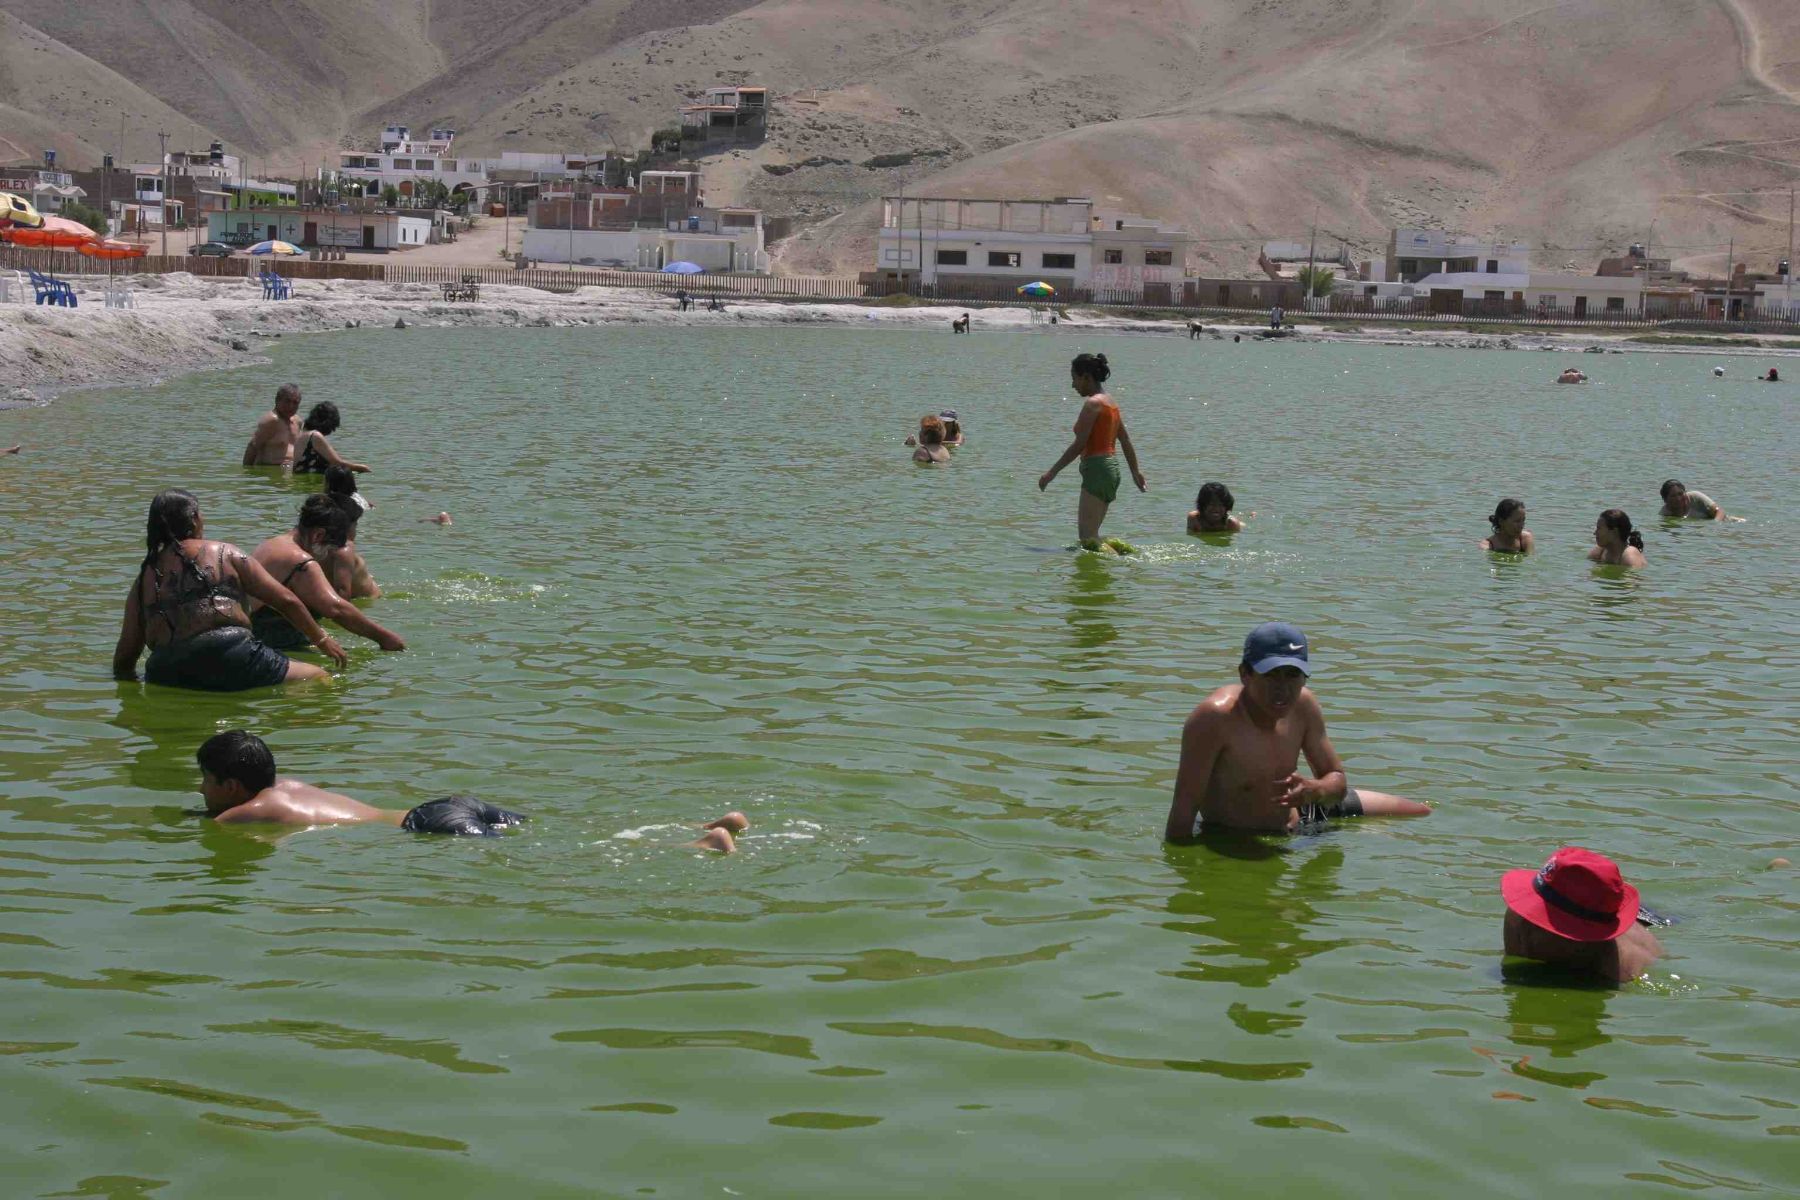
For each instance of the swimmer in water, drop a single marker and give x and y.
(272, 444)
(1718, 372)
(238, 782)
(312, 450)
(1212, 511)
(1241, 745)
(1679, 503)
(299, 560)
(1099, 432)
(442, 518)
(1773, 376)
(1616, 543)
(1577, 912)
(720, 834)
(1509, 534)
(1571, 375)
(931, 443)
(953, 433)
(345, 565)
(12, 449)
(187, 606)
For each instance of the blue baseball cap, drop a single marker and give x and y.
(1276, 644)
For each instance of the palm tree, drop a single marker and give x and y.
(1317, 281)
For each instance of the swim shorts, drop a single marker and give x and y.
(231, 659)
(1100, 477)
(273, 629)
(459, 815)
(1349, 806)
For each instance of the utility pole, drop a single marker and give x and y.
(1787, 276)
(164, 139)
(1312, 242)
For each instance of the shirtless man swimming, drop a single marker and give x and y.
(1240, 747)
(272, 445)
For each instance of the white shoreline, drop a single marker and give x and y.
(184, 323)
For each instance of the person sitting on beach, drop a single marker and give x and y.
(960, 325)
(272, 445)
(714, 304)
(345, 566)
(931, 442)
(1099, 432)
(1679, 503)
(1509, 534)
(239, 783)
(1571, 375)
(1773, 376)
(1616, 543)
(313, 452)
(1577, 912)
(1241, 745)
(297, 560)
(1212, 511)
(953, 434)
(187, 606)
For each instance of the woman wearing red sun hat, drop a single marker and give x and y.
(1578, 911)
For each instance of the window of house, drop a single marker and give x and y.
(1493, 295)
(1159, 258)
(1115, 256)
(1064, 262)
(1003, 258)
(1493, 266)
(1549, 302)
(1615, 304)
(739, 220)
(953, 258)
(1409, 266)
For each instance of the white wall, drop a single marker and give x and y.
(552, 245)
(897, 251)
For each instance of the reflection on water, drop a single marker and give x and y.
(1547, 1013)
(1092, 596)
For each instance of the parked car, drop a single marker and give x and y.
(210, 250)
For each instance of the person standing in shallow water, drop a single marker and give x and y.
(1616, 543)
(1509, 534)
(1099, 434)
(272, 445)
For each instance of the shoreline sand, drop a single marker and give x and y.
(183, 323)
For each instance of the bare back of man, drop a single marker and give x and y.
(293, 802)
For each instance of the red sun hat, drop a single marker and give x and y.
(1578, 895)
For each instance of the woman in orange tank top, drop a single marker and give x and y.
(1098, 430)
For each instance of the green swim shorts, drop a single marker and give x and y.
(1100, 477)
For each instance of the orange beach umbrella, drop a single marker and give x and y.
(55, 232)
(111, 250)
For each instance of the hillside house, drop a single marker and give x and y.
(732, 113)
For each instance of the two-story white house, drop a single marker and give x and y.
(404, 162)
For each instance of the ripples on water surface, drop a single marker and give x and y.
(693, 572)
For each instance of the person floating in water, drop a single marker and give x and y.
(931, 442)
(1773, 376)
(344, 565)
(1577, 912)
(272, 445)
(313, 452)
(953, 432)
(1571, 375)
(298, 560)
(1212, 511)
(1509, 534)
(1616, 543)
(1099, 433)
(1679, 503)
(187, 606)
(12, 449)
(1241, 745)
(239, 783)
(721, 834)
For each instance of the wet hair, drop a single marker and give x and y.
(1092, 365)
(339, 481)
(1616, 520)
(174, 517)
(1503, 510)
(325, 514)
(1773, 376)
(1672, 485)
(1211, 493)
(323, 417)
(951, 427)
(931, 431)
(240, 757)
(288, 391)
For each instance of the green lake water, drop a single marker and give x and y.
(694, 570)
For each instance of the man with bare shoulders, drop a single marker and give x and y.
(238, 782)
(1240, 748)
(272, 445)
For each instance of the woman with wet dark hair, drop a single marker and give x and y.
(1212, 511)
(1616, 543)
(313, 452)
(1099, 432)
(1510, 535)
(187, 606)
(344, 565)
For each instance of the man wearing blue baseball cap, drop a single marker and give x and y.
(1240, 749)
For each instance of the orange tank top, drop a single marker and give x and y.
(1105, 430)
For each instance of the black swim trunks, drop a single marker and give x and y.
(1349, 806)
(459, 815)
(230, 659)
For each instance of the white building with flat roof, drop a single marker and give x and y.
(1414, 254)
(403, 162)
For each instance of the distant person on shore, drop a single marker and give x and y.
(1276, 316)
(1571, 375)
(953, 433)
(714, 304)
(297, 560)
(1773, 376)
(1099, 434)
(960, 324)
(313, 452)
(344, 565)
(1195, 329)
(1509, 534)
(1241, 746)
(1616, 543)
(683, 301)
(272, 445)
(187, 606)
(931, 443)
(239, 784)
(1679, 503)
(1577, 912)
(1212, 511)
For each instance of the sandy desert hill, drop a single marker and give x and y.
(1580, 126)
